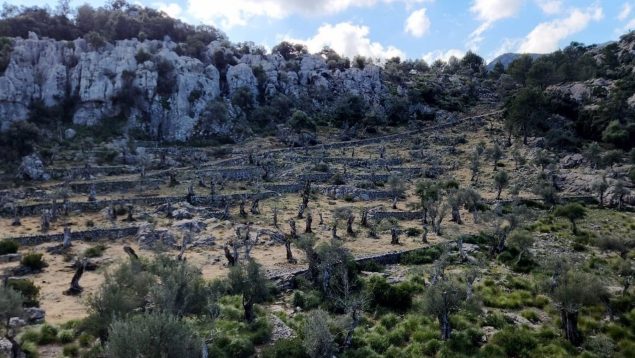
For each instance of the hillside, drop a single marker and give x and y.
(165, 192)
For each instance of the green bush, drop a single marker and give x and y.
(260, 331)
(286, 348)
(421, 257)
(515, 342)
(30, 349)
(8, 247)
(152, 335)
(28, 290)
(370, 266)
(70, 350)
(95, 251)
(65, 336)
(413, 232)
(30, 335)
(306, 300)
(85, 340)
(48, 334)
(33, 261)
(397, 297)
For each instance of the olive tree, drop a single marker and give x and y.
(442, 299)
(501, 180)
(10, 304)
(571, 291)
(248, 280)
(318, 340)
(571, 212)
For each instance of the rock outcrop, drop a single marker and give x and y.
(155, 89)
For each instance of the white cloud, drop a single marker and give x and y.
(546, 36)
(625, 12)
(550, 7)
(172, 9)
(231, 13)
(432, 56)
(488, 12)
(630, 26)
(348, 40)
(418, 23)
(494, 10)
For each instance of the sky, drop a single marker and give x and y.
(415, 29)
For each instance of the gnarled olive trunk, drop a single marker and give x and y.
(444, 326)
(570, 326)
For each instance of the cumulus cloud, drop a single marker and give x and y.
(418, 23)
(625, 12)
(488, 12)
(348, 40)
(432, 56)
(546, 36)
(550, 7)
(238, 12)
(172, 9)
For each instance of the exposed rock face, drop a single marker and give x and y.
(159, 91)
(32, 168)
(109, 82)
(149, 238)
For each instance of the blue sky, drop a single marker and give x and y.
(428, 29)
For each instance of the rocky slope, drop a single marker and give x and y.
(115, 80)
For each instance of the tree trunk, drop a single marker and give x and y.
(287, 246)
(248, 306)
(444, 325)
(498, 194)
(456, 215)
(574, 227)
(570, 326)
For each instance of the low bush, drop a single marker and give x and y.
(48, 334)
(95, 251)
(285, 348)
(306, 300)
(70, 350)
(413, 232)
(515, 342)
(28, 290)
(65, 336)
(370, 266)
(421, 257)
(397, 297)
(8, 247)
(33, 261)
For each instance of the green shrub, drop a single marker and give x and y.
(306, 300)
(30, 349)
(337, 179)
(48, 334)
(28, 290)
(85, 340)
(95, 251)
(65, 336)
(370, 266)
(389, 321)
(70, 350)
(285, 348)
(515, 342)
(8, 247)
(421, 257)
(413, 232)
(33, 261)
(260, 331)
(152, 335)
(30, 335)
(397, 297)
